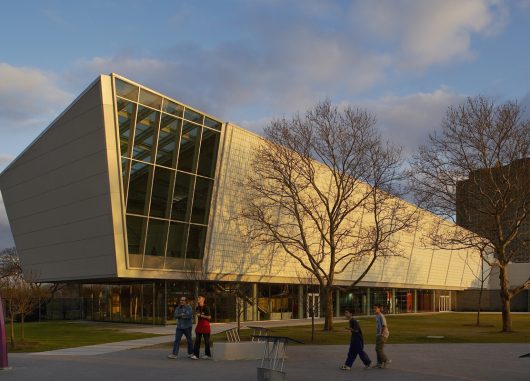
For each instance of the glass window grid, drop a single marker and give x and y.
(206, 120)
(132, 123)
(154, 137)
(196, 146)
(129, 161)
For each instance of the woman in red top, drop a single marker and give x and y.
(202, 330)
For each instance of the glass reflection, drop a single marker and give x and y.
(126, 90)
(162, 192)
(125, 173)
(196, 240)
(156, 237)
(193, 116)
(201, 200)
(145, 132)
(181, 197)
(212, 123)
(173, 198)
(176, 243)
(168, 139)
(135, 234)
(149, 99)
(172, 108)
(208, 154)
(138, 180)
(126, 111)
(188, 147)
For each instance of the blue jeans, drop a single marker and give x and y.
(178, 335)
(357, 348)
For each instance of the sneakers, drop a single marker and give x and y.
(171, 356)
(205, 357)
(193, 357)
(368, 366)
(382, 365)
(345, 367)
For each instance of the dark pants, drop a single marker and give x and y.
(178, 336)
(197, 346)
(357, 348)
(379, 349)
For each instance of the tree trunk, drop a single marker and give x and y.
(479, 303)
(22, 336)
(238, 305)
(480, 293)
(12, 324)
(505, 298)
(328, 320)
(313, 324)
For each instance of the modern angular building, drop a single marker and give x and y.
(132, 197)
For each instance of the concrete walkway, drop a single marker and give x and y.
(100, 349)
(167, 335)
(218, 327)
(411, 362)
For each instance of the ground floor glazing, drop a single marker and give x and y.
(153, 302)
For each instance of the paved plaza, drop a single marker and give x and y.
(412, 362)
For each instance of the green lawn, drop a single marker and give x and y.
(455, 327)
(405, 329)
(47, 336)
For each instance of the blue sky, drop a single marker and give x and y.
(250, 61)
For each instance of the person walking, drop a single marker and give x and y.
(381, 336)
(356, 344)
(184, 316)
(202, 330)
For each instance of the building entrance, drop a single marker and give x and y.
(445, 303)
(313, 305)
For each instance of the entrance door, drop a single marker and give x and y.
(445, 303)
(313, 305)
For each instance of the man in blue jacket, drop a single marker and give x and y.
(356, 344)
(184, 316)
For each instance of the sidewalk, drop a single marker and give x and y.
(167, 335)
(411, 362)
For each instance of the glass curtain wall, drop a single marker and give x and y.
(130, 303)
(169, 155)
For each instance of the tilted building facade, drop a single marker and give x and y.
(134, 197)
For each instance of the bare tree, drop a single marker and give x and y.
(474, 172)
(443, 236)
(307, 279)
(20, 290)
(324, 189)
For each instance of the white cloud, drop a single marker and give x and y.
(431, 32)
(314, 51)
(404, 120)
(4, 160)
(28, 96)
(408, 120)
(277, 75)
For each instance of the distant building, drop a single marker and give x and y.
(474, 214)
(132, 198)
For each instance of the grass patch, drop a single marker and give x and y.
(404, 329)
(414, 329)
(46, 336)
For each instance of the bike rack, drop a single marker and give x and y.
(273, 359)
